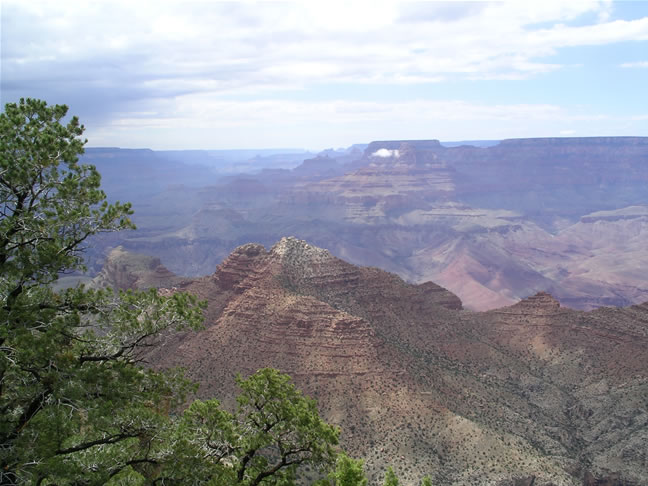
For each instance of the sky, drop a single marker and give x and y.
(315, 75)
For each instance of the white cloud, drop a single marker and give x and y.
(215, 112)
(593, 35)
(637, 64)
(384, 153)
(197, 121)
(269, 45)
(140, 66)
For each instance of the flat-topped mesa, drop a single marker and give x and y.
(567, 141)
(373, 147)
(414, 157)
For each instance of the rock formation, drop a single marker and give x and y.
(531, 392)
(493, 224)
(123, 270)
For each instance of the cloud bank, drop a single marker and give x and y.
(159, 65)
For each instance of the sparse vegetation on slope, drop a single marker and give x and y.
(468, 398)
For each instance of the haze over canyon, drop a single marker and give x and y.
(455, 335)
(460, 283)
(494, 222)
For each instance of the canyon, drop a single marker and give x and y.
(476, 313)
(494, 224)
(532, 393)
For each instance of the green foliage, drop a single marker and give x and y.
(348, 472)
(390, 477)
(274, 431)
(75, 407)
(426, 481)
(50, 204)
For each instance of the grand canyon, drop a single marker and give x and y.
(533, 393)
(324, 243)
(475, 313)
(492, 224)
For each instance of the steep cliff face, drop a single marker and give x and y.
(549, 177)
(534, 390)
(515, 166)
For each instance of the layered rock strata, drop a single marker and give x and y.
(534, 390)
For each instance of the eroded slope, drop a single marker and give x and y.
(532, 391)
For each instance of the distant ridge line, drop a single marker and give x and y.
(575, 140)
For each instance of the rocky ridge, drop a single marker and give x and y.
(532, 392)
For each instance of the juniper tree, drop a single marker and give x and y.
(390, 478)
(348, 472)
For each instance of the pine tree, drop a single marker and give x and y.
(77, 406)
(74, 403)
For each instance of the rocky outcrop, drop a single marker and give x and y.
(123, 270)
(541, 304)
(530, 392)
